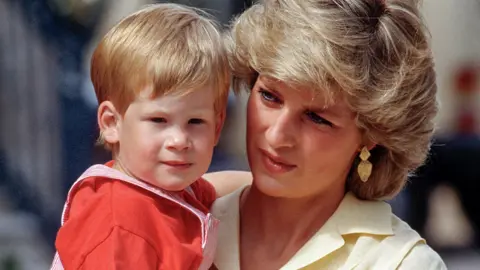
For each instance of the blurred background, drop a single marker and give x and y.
(48, 123)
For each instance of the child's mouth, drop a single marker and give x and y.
(177, 164)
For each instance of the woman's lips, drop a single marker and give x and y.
(275, 164)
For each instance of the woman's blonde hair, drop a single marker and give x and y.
(165, 47)
(374, 53)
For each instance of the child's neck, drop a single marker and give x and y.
(117, 165)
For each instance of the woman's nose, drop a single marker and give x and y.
(281, 131)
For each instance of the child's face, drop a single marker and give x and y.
(168, 141)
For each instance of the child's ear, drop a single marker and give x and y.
(108, 122)
(219, 121)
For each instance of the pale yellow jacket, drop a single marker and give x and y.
(359, 235)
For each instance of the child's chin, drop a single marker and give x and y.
(173, 184)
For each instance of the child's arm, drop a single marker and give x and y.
(226, 182)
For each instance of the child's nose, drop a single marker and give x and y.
(178, 141)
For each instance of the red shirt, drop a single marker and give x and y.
(116, 225)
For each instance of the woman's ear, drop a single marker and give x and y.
(370, 146)
(108, 122)
(367, 143)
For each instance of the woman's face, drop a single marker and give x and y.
(296, 147)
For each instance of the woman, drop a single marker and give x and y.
(340, 111)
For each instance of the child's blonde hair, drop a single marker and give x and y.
(166, 47)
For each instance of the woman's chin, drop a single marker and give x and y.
(272, 187)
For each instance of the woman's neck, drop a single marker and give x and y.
(277, 228)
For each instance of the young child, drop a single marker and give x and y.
(161, 77)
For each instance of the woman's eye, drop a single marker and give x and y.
(158, 120)
(196, 121)
(317, 119)
(268, 96)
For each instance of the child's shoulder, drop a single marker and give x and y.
(112, 201)
(204, 192)
(100, 204)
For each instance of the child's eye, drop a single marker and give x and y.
(268, 96)
(317, 119)
(158, 120)
(196, 121)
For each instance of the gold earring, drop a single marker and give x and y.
(364, 168)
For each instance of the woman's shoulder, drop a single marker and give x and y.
(419, 254)
(406, 249)
(378, 239)
(422, 256)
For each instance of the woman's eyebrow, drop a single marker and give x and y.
(333, 110)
